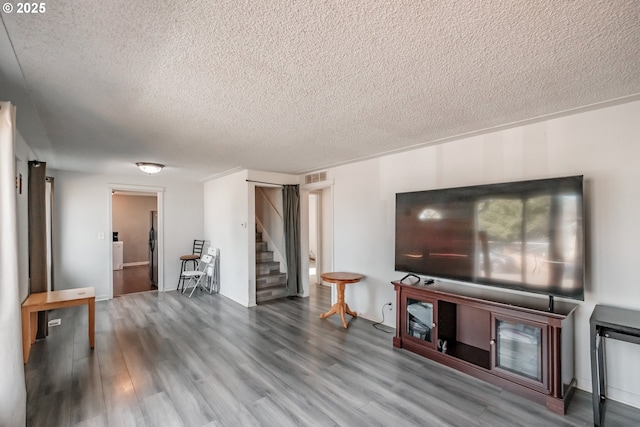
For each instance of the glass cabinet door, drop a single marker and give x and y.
(420, 323)
(520, 349)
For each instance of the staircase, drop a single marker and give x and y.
(270, 282)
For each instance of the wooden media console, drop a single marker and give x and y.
(506, 339)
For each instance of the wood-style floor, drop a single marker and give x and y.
(162, 359)
(131, 279)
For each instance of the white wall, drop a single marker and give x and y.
(229, 223)
(13, 284)
(81, 203)
(23, 156)
(227, 226)
(603, 145)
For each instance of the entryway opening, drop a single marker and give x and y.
(135, 240)
(271, 267)
(320, 240)
(315, 238)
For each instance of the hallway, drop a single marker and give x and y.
(131, 280)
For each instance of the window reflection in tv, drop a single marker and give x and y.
(525, 235)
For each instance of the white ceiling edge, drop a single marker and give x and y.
(14, 84)
(133, 188)
(223, 174)
(512, 125)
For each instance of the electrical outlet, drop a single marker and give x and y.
(390, 305)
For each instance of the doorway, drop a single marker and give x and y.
(320, 226)
(136, 240)
(315, 237)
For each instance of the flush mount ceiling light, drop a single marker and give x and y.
(149, 167)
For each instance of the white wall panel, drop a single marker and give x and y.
(229, 226)
(81, 204)
(603, 145)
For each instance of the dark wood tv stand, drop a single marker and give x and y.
(506, 339)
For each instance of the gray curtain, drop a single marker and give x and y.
(291, 208)
(50, 180)
(38, 237)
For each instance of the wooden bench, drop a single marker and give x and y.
(42, 301)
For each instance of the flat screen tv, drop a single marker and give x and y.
(526, 236)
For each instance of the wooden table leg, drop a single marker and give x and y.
(349, 311)
(340, 306)
(26, 335)
(340, 288)
(333, 310)
(92, 323)
(33, 321)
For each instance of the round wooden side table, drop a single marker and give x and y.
(340, 279)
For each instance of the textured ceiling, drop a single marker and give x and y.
(293, 86)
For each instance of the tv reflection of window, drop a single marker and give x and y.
(429, 214)
(531, 239)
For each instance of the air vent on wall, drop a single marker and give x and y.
(315, 177)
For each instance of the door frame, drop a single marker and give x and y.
(318, 230)
(159, 192)
(323, 221)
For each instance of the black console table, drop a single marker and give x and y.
(608, 322)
